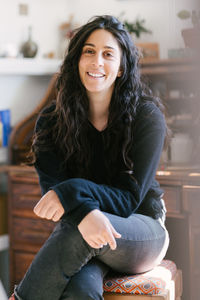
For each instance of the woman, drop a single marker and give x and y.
(96, 151)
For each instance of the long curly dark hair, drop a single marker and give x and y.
(70, 132)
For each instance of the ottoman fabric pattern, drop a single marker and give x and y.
(153, 282)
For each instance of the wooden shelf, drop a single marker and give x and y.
(29, 66)
(168, 66)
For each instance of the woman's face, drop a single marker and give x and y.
(99, 64)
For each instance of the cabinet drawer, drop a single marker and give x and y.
(26, 188)
(31, 231)
(25, 196)
(172, 197)
(21, 201)
(21, 262)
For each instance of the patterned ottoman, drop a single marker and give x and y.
(164, 282)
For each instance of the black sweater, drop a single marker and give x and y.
(127, 195)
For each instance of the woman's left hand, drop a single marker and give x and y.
(49, 207)
(97, 230)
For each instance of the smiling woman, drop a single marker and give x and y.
(96, 150)
(99, 66)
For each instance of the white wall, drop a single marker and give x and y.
(160, 16)
(46, 15)
(21, 94)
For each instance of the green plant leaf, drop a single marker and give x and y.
(136, 27)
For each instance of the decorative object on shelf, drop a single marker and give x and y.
(50, 55)
(149, 51)
(8, 50)
(4, 127)
(29, 48)
(180, 53)
(4, 134)
(191, 36)
(194, 16)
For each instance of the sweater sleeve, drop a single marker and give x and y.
(48, 163)
(80, 196)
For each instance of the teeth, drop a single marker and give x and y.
(95, 75)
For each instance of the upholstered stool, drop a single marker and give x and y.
(164, 282)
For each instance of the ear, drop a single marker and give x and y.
(119, 74)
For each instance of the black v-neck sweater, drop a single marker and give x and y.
(139, 193)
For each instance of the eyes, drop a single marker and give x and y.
(90, 51)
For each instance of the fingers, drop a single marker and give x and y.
(49, 207)
(56, 217)
(96, 244)
(115, 233)
(107, 238)
(101, 242)
(43, 211)
(111, 240)
(111, 235)
(41, 207)
(50, 213)
(38, 210)
(97, 230)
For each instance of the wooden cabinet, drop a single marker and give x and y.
(27, 231)
(182, 197)
(191, 204)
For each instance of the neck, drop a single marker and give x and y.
(99, 110)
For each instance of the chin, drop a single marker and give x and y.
(94, 90)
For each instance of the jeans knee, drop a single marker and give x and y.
(84, 286)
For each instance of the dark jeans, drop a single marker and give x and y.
(66, 267)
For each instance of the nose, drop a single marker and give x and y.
(97, 60)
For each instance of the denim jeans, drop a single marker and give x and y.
(66, 267)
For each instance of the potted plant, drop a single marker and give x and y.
(191, 36)
(136, 27)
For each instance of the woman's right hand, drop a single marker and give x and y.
(97, 230)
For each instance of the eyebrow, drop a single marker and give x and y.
(92, 45)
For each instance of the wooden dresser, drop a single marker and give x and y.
(182, 198)
(27, 231)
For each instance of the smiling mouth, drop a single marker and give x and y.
(94, 75)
